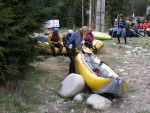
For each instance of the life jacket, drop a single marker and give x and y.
(55, 37)
(145, 26)
(148, 25)
(128, 24)
(141, 26)
(122, 24)
(71, 39)
(89, 37)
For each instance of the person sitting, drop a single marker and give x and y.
(141, 26)
(145, 27)
(54, 39)
(136, 30)
(67, 36)
(88, 39)
(114, 30)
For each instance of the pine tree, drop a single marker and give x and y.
(19, 18)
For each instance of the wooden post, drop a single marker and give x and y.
(82, 12)
(100, 16)
(90, 13)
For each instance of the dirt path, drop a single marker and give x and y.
(135, 68)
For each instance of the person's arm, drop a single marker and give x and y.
(85, 37)
(50, 38)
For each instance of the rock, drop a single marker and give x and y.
(126, 62)
(128, 53)
(121, 70)
(124, 73)
(78, 98)
(72, 85)
(98, 102)
(135, 50)
(72, 111)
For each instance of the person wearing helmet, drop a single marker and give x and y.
(75, 41)
(121, 31)
(89, 40)
(54, 39)
(67, 36)
(114, 30)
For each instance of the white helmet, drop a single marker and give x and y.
(70, 31)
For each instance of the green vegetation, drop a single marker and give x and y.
(145, 111)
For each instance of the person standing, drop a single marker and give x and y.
(128, 26)
(54, 39)
(67, 36)
(75, 41)
(121, 31)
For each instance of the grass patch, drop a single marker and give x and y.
(145, 111)
(35, 89)
(148, 84)
(89, 106)
(11, 103)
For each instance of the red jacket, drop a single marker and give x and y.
(89, 37)
(148, 25)
(145, 26)
(141, 26)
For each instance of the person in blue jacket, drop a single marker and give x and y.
(121, 31)
(75, 41)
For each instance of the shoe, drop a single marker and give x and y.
(54, 55)
(118, 43)
(58, 55)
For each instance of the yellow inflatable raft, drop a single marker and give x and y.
(45, 45)
(98, 76)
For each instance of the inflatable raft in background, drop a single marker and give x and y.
(99, 77)
(101, 35)
(45, 47)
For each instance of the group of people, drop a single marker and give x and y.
(71, 41)
(122, 27)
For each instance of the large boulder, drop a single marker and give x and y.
(72, 85)
(98, 102)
